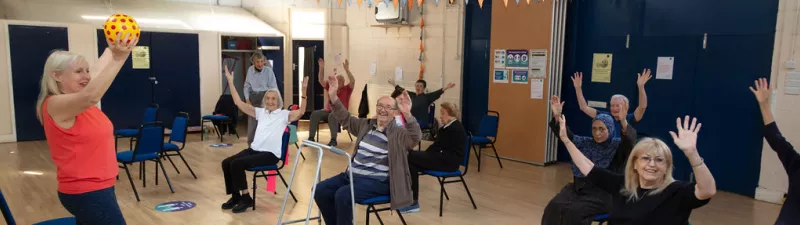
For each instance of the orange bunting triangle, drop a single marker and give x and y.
(410, 4)
(378, 2)
(340, 2)
(359, 2)
(505, 2)
(480, 3)
(317, 2)
(420, 2)
(529, 2)
(396, 2)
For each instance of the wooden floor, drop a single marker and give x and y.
(515, 194)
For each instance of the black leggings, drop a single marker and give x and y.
(428, 160)
(233, 168)
(95, 207)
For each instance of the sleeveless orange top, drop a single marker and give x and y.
(84, 154)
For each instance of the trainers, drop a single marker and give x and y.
(231, 202)
(243, 204)
(410, 209)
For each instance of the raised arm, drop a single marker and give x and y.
(350, 76)
(399, 89)
(411, 134)
(296, 114)
(686, 140)
(556, 107)
(340, 113)
(65, 107)
(584, 164)
(246, 108)
(786, 152)
(640, 82)
(321, 74)
(577, 81)
(433, 96)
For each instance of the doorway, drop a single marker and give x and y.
(304, 66)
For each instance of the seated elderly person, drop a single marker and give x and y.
(266, 147)
(445, 154)
(380, 162)
(581, 200)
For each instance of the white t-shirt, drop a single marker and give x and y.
(269, 132)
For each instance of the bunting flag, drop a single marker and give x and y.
(359, 3)
(480, 3)
(340, 2)
(466, 2)
(396, 2)
(436, 2)
(409, 3)
(420, 2)
(517, 2)
(378, 2)
(529, 2)
(505, 2)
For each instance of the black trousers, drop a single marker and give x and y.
(233, 168)
(577, 204)
(428, 160)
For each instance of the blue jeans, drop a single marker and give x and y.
(333, 196)
(96, 207)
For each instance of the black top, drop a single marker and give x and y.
(451, 141)
(670, 207)
(621, 153)
(420, 103)
(790, 212)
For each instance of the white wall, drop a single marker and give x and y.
(773, 182)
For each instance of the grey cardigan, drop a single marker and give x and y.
(400, 140)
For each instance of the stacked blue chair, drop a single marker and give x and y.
(149, 147)
(277, 167)
(150, 115)
(380, 200)
(441, 176)
(487, 135)
(10, 218)
(178, 135)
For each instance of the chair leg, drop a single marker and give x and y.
(468, 193)
(368, 207)
(441, 197)
(350, 136)
(375, 210)
(497, 156)
(144, 174)
(173, 163)
(141, 170)
(255, 186)
(401, 217)
(441, 182)
(125, 166)
(158, 160)
(202, 129)
(477, 156)
(287, 185)
(187, 165)
(166, 177)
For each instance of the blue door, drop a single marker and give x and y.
(477, 36)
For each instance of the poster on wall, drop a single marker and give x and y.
(519, 77)
(538, 63)
(500, 76)
(499, 58)
(664, 68)
(537, 88)
(141, 57)
(398, 74)
(517, 59)
(601, 67)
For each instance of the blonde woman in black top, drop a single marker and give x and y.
(647, 194)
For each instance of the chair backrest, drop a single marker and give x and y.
(489, 124)
(292, 134)
(150, 114)
(179, 128)
(285, 144)
(467, 146)
(431, 113)
(6, 211)
(290, 108)
(150, 139)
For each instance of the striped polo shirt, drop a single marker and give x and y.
(372, 157)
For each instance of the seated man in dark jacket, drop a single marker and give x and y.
(445, 154)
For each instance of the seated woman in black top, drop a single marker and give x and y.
(647, 194)
(790, 212)
(445, 154)
(581, 200)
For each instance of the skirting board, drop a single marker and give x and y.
(768, 195)
(8, 138)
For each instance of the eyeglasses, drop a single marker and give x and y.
(384, 107)
(648, 159)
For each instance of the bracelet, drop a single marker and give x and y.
(702, 161)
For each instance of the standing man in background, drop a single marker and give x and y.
(259, 79)
(420, 101)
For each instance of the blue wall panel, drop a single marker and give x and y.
(475, 81)
(695, 17)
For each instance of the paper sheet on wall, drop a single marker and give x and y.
(141, 57)
(664, 68)
(538, 63)
(499, 58)
(373, 68)
(601, 67)
(519, 76)
(500, 76)
(537, 88)
(398, 74)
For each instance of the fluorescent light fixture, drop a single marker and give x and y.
(32, 173)
(269, 48)
(145, 21)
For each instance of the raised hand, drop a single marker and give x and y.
(305, 81)
(346, 64)
(562, 124)
(643, 77)
(228, 74)
(686, 139)
(623, 112)
(321, 62)
(333, 86)
(761, 91)
(577, 80)
(121, 48)
(556, 106)
(450, 85)
(392, 82)
(404, 102)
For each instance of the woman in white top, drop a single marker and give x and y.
(266, 146)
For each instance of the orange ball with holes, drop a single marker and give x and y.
(121, 23)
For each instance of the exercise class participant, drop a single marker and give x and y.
(790, 212)
(266, 147)
(445, 154)
(80, 136)
(260, 78)
(325, 115)
(647, 193)
(581, 200)
(380, 162)
(420, 101)
(618, 101)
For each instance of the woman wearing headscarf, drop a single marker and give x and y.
(790, 212)
(647, 194)
(581, 200)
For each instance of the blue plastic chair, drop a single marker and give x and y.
(487, 135)
(10, 218)
(171, 148)
(215, 118)
(150, 115)
(380, 200)
(149, 147)
(601, 219)
(293, 139)
(441, 176)
(277, 167)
